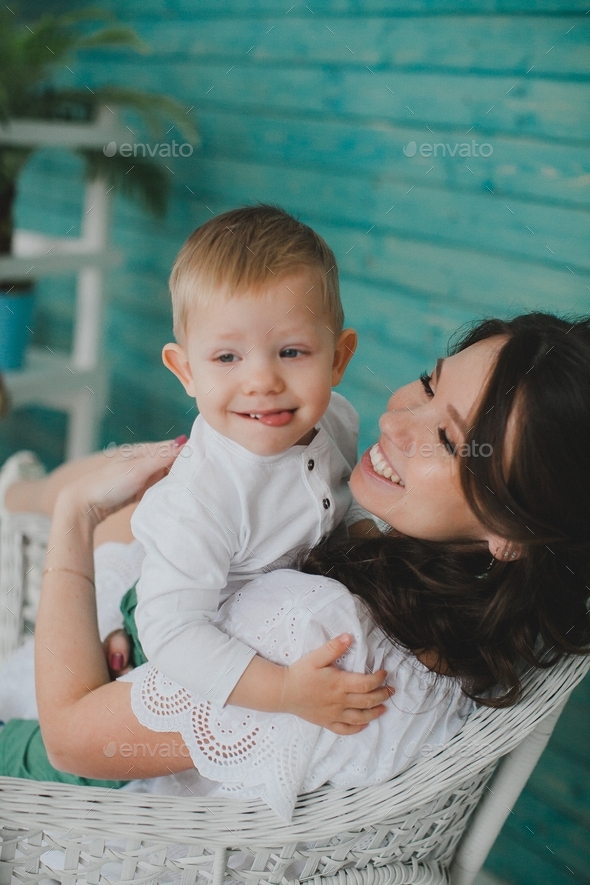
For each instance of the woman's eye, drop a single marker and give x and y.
(425, 381)
(447, 443)
(227, 357)
(290, 352)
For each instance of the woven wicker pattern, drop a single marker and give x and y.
(23, 539)
(404, 832)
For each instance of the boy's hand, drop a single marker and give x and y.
(344, 702)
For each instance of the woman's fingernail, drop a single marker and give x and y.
(180, 440)
(116, 661)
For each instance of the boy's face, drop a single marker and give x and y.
(261, 367)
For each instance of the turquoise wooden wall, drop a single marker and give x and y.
(310, 106)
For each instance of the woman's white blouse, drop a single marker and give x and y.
(276, 756)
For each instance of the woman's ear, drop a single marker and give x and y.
(345, 347)
(503, 550)
(175, 358)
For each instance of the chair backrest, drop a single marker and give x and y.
(407, 829)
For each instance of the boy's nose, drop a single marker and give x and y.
(262, 379)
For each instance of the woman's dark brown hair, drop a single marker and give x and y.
(487, 626)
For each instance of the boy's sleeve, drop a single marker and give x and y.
(188, 554)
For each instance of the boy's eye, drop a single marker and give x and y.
(290, 352)
(425, 381)
(227, 357)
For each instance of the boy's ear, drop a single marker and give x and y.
(345, 347)
(174, 358)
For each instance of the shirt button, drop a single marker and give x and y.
(310, 464)
(326, 503)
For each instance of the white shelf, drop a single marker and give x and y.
(52, 256)
(74, 382)
(45, 133)
(50, 378)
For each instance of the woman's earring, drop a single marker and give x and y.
(485, 574)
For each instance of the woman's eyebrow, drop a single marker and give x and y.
(437, 368)
(461, 424)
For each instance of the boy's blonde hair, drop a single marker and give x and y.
(245, 249)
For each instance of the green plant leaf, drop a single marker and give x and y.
(116, 35)
(31, 54)
(133, 177)
(155, 109)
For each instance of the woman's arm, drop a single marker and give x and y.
(87, 722)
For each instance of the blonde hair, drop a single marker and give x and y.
(245, 249)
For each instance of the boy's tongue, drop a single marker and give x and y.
(276, 419)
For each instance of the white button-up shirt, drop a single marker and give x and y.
(221, 517)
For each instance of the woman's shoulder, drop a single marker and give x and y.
(298, 588)
(285, 613)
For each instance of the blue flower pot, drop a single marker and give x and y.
(16, 314)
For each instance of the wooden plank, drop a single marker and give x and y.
(572, 734)
(513, 861)
(481, 221)
(480, 282)
(490, 104)
(401, 319)
(488, 284)
(458, 277)
(179, 8)
(518, 167)
(549, 45)
(551, 835)
(563, 783)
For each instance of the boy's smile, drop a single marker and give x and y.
(261, 365)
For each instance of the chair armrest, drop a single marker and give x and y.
(508, 780)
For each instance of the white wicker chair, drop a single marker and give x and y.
(431, 825)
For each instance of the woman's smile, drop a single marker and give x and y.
(382, 466)
(376, 473)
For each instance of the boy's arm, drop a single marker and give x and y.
(314, 689)
(188, 555)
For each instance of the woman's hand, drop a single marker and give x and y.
(122, 477)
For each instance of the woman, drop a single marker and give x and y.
(491, 574)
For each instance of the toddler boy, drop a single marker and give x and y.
(260, 344)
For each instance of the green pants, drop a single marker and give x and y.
(22, 752)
